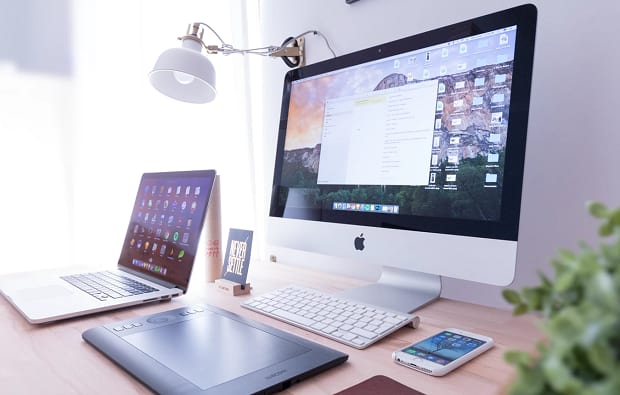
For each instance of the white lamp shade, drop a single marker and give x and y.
(184, 74)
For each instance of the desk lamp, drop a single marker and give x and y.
(185, 74)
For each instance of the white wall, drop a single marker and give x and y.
(78, 130)
(573, 139)
(124, 127)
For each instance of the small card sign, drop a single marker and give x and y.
(237, 259)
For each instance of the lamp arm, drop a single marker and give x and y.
(272, 49)
(226, 49)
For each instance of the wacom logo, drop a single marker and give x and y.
(275, 374)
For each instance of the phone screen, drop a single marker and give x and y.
(443, 347)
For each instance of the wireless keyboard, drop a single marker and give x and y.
(347, 321)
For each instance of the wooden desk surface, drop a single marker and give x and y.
(53, 358)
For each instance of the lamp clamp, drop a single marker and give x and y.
(295, 52)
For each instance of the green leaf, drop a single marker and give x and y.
(607, 229)
(567, 256)
(614, 217)
(546, 282)
(601, 291)
(511, 296)
(530, 381)
(567, 325)
(602, 358)
(533, 297)
(518, 358)
(520, 309)
(560, 377)
(565, 281)
(597, 209)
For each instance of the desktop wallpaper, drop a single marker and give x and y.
(474, 78)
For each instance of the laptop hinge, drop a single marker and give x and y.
(156, 280)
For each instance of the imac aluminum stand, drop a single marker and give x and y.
(398, 289)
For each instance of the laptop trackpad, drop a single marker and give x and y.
(46, 292)
(213, 349)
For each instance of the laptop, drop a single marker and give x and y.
(155, 263)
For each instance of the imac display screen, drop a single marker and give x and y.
(424, 133)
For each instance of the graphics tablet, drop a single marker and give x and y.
(206, 350)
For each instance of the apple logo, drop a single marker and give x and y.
(359, 242)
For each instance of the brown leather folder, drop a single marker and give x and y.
(379, 385)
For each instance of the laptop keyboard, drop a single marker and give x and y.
(346, 321)
(107, 285)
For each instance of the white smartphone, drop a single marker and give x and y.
(443, 352)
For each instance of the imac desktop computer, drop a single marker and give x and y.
(410, 155)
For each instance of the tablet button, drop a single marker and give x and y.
(158, 319)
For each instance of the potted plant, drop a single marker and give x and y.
(580, 310)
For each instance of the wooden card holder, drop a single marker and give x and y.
(232, 288)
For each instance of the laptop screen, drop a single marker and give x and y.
(164, 230)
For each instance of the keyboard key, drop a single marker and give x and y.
(328, 329)
(348, 336)
(364, 333)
